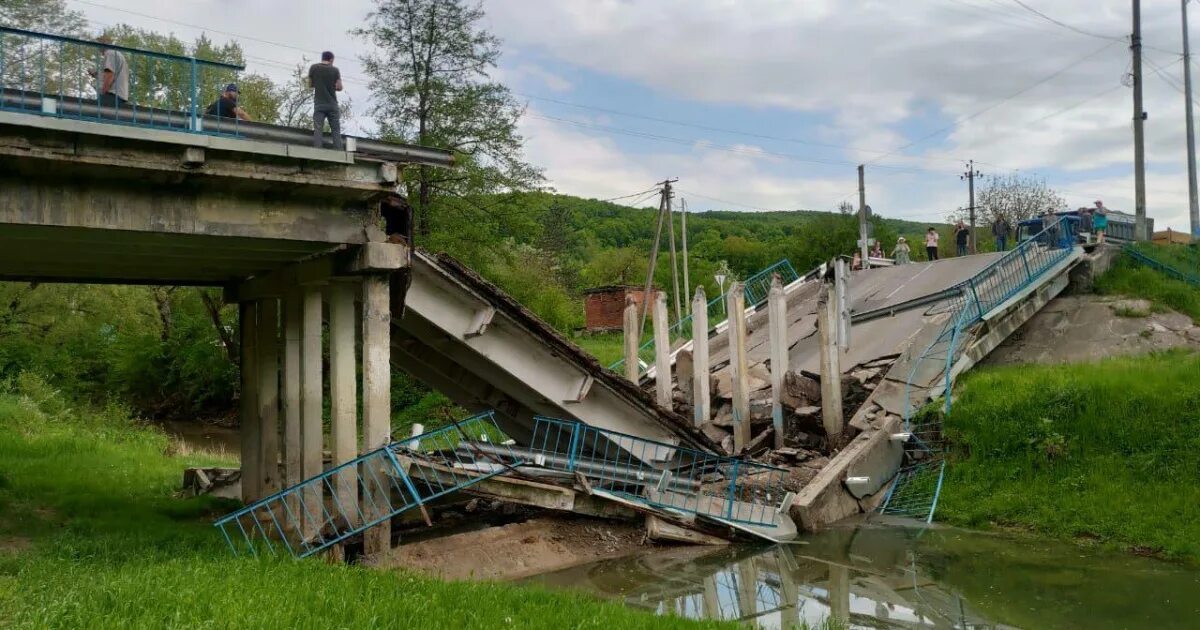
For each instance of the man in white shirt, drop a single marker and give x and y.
(112, 86)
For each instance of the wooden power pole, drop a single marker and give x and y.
(970, 176)
(662, 206)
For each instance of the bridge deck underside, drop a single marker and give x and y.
(63, 254)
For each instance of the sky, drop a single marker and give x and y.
(771, 104)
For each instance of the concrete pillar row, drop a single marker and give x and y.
(251, 438)
(268, 395)
(284, 355)
(377, 397)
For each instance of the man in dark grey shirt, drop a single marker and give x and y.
(326, 81)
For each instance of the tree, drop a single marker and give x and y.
(430, 82)
(1013, 197)
(45, 16)
(167, 84)
(845, 207)
(27, 61)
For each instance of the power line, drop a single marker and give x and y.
(702, 127)
(636, 194)
(703, 144)
(996, 104)
(195, 26)
(1065, 25)
(732, 203)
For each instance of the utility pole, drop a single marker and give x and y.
(662, 205)
(862, 217)
(683, 228)
(970, 176)
(1139, 119)
(674, 261)
(1193, 200)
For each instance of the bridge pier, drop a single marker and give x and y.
(275, 456)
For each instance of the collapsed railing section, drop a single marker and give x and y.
(661, 475)
(60, 76)
(1170, 271)
(350, 498)
(756, 289)
(915, 491)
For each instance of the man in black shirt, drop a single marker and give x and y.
(326, 81)
(227, 106)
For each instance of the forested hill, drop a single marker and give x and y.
(546, 248)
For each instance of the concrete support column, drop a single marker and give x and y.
(701, 381)
(268, 393)
(343, 393)
(662, 351)
(292, 473)
(777, 326)
(632, 342)
(377, 399)
(312, 441)
(251, 438)
(831, 371)
(735, 301)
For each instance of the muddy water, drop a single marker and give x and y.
(890, 576)
(206, 437)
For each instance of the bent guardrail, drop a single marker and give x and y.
(916, 489)
(1170, 271)
(353, 497)
(682, 479)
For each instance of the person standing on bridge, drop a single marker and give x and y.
(1100, 221)
(112, 86)
(326, 81)
(901, 251)
(931, 244)
(1000, 231)
(961, 232)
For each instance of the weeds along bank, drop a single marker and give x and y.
(92, 536)
(1131, 279)
(1104, 453)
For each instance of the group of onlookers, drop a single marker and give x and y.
(112, 90)
(1091, 220)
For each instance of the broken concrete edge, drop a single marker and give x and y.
(523, 317)
(826, 498)
(341, 261)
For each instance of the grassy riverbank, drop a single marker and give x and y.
(91, 536)
(1107, 453)
(1132, 279)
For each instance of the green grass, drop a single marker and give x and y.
(111, 547)
(1106, 452)
(1131, 279)
(608, 348)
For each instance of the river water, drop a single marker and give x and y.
(894, 576)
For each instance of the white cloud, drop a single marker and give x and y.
(868, 69)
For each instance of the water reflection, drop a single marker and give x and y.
(875, 576)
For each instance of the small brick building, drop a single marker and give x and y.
(604, 307)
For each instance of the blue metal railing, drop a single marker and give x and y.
(59, 76)
(1169, 270)
(350, 498)
(661, 475)
(917, 487)
(756, 288)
